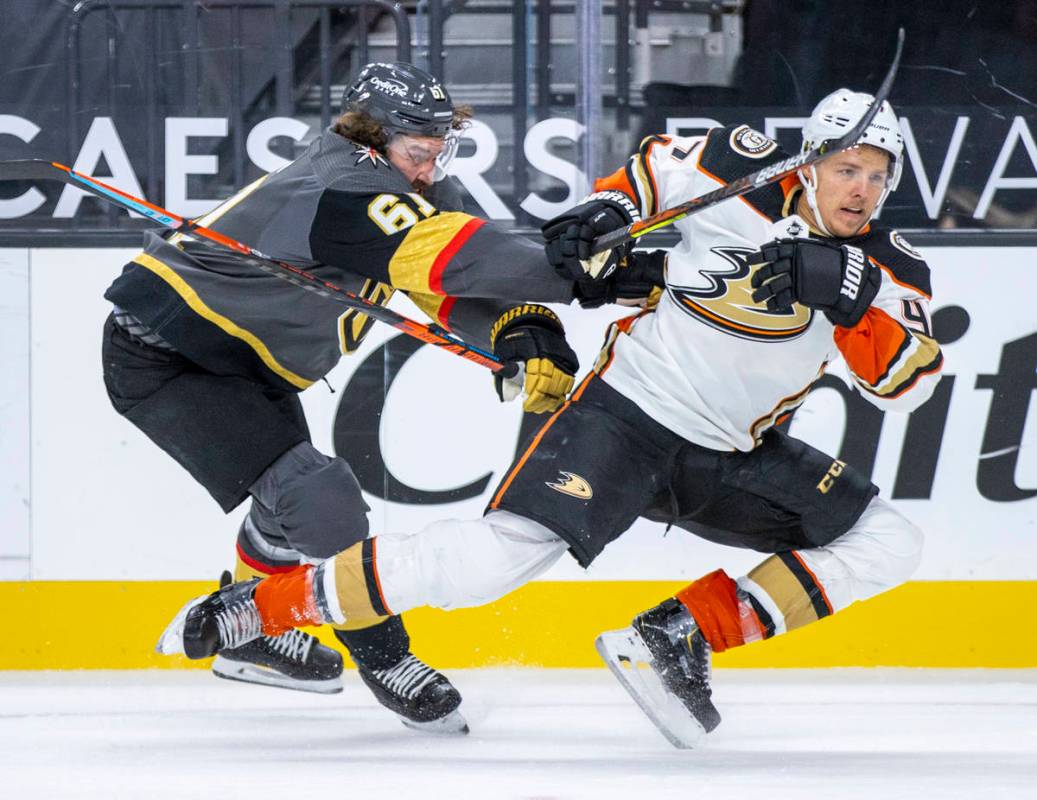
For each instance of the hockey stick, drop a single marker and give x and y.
(38, 169)
(762, 177)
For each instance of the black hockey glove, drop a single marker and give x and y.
(532, 336)
(836, 279)
(632, 282)
(569, 236)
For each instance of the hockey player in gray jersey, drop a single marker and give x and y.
(679, 422)
(206, 353)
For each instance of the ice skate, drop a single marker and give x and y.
(227, 618)
(423, 698)
(294, 660)
(663, 661)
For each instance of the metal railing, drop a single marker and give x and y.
(312, 47)
(193, 45)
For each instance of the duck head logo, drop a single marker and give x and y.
(573, 485)
(725, 301)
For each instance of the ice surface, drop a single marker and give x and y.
(535, 734)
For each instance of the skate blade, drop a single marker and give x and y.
(171, 642)
(453, 724)
(245, 672)
(627, 656)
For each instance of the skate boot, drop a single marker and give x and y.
(293, 660)
(680, 657)
(663, 662)
(420, 696)
(226, 619)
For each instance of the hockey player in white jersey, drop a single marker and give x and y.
(677, 421)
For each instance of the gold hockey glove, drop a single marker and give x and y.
(532, 336)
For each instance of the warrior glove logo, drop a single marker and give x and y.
(853, 272)
(573, 485)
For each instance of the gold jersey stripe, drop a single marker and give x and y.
(190, 296)
(208, 219)
(922, 356)
(430, 304)
(411, 265)
(786, 404)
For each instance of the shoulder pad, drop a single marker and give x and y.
(346, 166)
(893, 252)
(735, 151)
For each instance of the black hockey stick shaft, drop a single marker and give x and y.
(38, 169)
(762, 177)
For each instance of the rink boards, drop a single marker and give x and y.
(104, 536)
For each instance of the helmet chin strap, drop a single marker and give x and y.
(810, 190)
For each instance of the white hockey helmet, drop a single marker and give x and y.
(833, 117)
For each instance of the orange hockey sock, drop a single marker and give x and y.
(285, 601)
(724, 619)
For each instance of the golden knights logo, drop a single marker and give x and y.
(726, 303)
(363, 154)
(353, 325)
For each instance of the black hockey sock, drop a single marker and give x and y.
(379, 647)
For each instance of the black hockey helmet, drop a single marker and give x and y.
(402, 98)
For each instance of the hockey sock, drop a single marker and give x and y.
(346, 587)
(785, 593)
(725, 617)
(286, 601)
(378, 646)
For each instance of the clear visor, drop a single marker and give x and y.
(450, 144)
(422, 151)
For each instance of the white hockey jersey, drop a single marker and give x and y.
(715, 367)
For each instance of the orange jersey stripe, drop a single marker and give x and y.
(536, 442)
(374, 571)
(872, 345)
(617, 181)
(817, 583)
(741, 197)
(892, 277)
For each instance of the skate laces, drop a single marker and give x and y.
(239, 623)
(407, 678)
(294, 645)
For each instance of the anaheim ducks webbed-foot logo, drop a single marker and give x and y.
(573, 485)
(725, 302)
